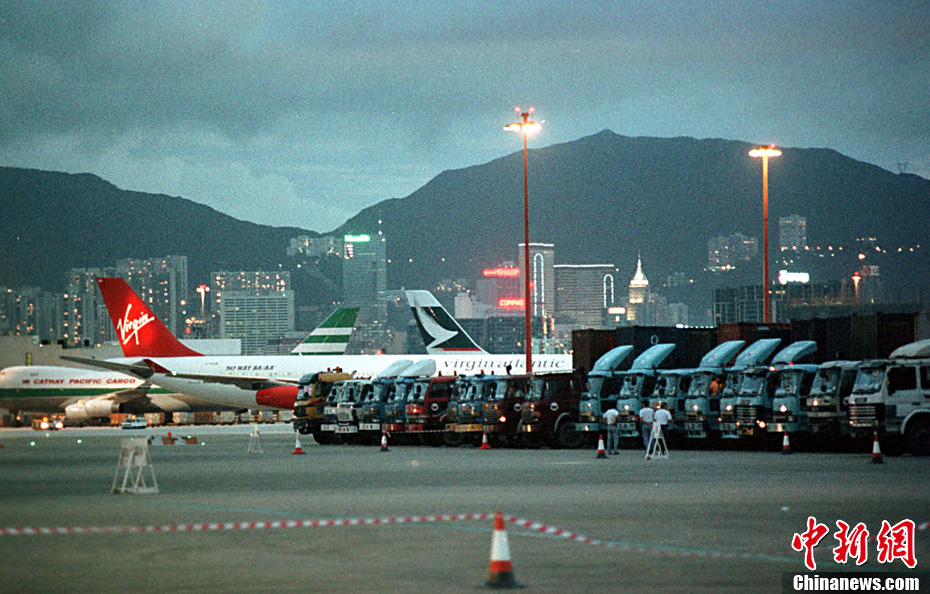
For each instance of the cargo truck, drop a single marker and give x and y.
(702, 400)
(371, 418)
(754, 410)
(548, 414)
(638, 384)
(427, 402)
(465, 413)
(502, 410)
(753, 358)
(312, 392)
(604, 382)
(828, 401)
(892, 397)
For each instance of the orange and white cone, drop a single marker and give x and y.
(600, 447)
(876, 451)
(297, 448)
(384, 447)
(500, 573)
(484, 442)
(785, 445)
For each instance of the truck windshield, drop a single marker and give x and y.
(632, 384)
(700, 383)
(869, 380)
(381, 391)
(418, 393)
(789, 383)
(753, 384)
(509, 389)
(604, 387)
(826, 381)
(401, 390)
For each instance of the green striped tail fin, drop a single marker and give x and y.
(332, 336)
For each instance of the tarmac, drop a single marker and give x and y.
(349, 518)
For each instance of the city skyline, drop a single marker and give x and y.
(262, 112)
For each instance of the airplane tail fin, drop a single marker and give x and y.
(138, 329)
(332, 336)
(441, 333)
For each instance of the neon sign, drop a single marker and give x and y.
(510, 302)
(501, 272)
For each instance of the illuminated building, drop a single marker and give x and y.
(85, 315)
(792, 233)
(364, 270)
(639, 294)
(542, 278)
(585, 292)
(725, 253)
(254, 306)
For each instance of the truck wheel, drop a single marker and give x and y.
(323, 437)
(453, 439)
(566, 436)
(917, 436)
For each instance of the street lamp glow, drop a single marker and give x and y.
(526, 127)
(765, 152)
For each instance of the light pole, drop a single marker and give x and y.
(526, 127)
(765, 152)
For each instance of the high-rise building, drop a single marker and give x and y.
(725, 253)
(792, 233)
(639, 294)
(364, 270)
(254, 306)
(161, 283)
(585, 291)
(542, 278)
(85, 318)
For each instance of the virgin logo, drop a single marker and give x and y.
(129, 329)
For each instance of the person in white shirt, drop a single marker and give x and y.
(613, 435)
(664, 419)
(646, 417)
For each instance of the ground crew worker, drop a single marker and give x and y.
(646, 417)
(613, 431)
(664, 419)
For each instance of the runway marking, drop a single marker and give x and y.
(534, 527)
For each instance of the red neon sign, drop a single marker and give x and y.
(510, 302)
(501, 272)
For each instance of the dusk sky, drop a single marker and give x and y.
(303, 113)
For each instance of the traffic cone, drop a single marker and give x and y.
(484, 442)
(876, 451)
(600, 447)
(785, 445)
(384, 447)
(500, 573)
(297, 448)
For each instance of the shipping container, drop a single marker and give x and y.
(182, 418)
(154, 419)
(588, 346)
(752, 331)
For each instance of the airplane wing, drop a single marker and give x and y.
(240, 381)
(138, 393)
(136, 368)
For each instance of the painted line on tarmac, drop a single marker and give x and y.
(532, 526)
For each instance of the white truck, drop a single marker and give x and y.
(892, 397)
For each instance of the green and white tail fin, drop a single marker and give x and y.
(332, 336)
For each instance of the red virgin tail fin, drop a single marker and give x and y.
(138, 329)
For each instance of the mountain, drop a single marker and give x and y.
(600, 199)
(53, 222)
(606, 198)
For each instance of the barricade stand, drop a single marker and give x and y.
(656, 450)
(255, 441)
(133, 461)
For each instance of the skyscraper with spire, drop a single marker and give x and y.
(639, 293)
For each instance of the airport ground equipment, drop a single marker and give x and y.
(312, 391)
(638, 383)
(134, 465)
(828, 401)
(753, 358)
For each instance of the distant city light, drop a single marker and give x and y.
(357, 238)
(501, 272)
(510, 302)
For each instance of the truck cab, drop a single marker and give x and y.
(312, 391)
(502, 410)
(753, 358)
(604, 382)
(670, 389)
(892, 397)
(466, 414)
(371, 418)
(395, 404)
(340, 415)
(828, 401)
(549, 411)
(427, 402)
(755, 405)
(638, 384)
(702, 400)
